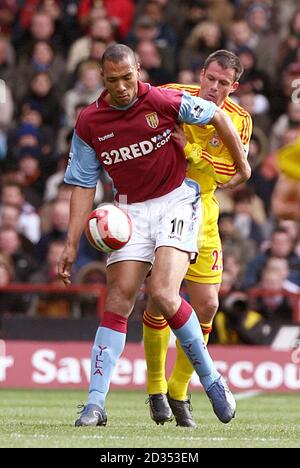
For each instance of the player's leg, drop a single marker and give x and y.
(123, 282)
(156, 335)
(168, 271)
(204, 300)
(203, 280)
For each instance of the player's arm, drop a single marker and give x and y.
(80, 207)
(231, 139)
(195, 110)
(83, 172)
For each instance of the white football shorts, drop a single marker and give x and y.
(171, 220)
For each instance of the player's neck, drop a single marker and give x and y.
(110, 102)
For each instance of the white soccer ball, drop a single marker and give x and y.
(108, 228)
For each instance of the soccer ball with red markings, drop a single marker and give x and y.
(108, 228)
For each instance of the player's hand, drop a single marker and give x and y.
(179, 135)
(65, 264)
(240, 177)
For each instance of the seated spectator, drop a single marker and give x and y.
(59, 217)
(55, 305)
(119, 12)
(244, 220)
(42, 58)
(10, 302)
(10, 218)
(204, 39)
(37, 25)
(43, 95)
(232, 241)
(92, 273)
(256, 321)
(282, 246)
(151, 61)
(253, 79)
(7, 61)
(289, 120)
(30, 164)
(281, 267)
(11, 244)
(187, 76)
(12, 193)
(100, 29)
(87, 89)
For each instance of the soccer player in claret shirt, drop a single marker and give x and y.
(210, 164)
(129, 130)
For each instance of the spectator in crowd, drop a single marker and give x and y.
(59, 225)
(11, 244)
(42, 58)
(232, 241)
(282, 246)
(55, 305)
(41, 28)
(87, 89)
(244, 221)
(291, 43)
(10, 302)
(12, 193)
(286, 122)
(120, 13)
(43, 95)
(204, 39)
(100, 29)
(151, 61)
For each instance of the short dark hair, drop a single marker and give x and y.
(116, 53)
(226, 59)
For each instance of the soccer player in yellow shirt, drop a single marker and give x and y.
(211, 165)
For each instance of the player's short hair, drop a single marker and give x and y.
(117, 53)
(226, 59)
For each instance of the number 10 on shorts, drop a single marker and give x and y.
(177, 227)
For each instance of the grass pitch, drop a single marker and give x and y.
(45, 418)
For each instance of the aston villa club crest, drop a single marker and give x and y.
(152, 120)
(215, 141)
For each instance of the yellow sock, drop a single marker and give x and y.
(156, 333)
(183, 370)
(206, 330)
(181, 375)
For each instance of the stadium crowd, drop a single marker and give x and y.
(49, 71)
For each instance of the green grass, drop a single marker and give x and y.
(44, 418)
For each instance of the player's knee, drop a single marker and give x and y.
(119, 300)
(208, 310)
(164, 301)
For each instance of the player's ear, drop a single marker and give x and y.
(234, 87)
(138, 68)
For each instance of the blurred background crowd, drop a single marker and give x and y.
(49, 67)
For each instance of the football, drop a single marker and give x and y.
(108, 228)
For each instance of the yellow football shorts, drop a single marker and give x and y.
(209, 265)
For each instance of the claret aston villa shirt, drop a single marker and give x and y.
(134, 144)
